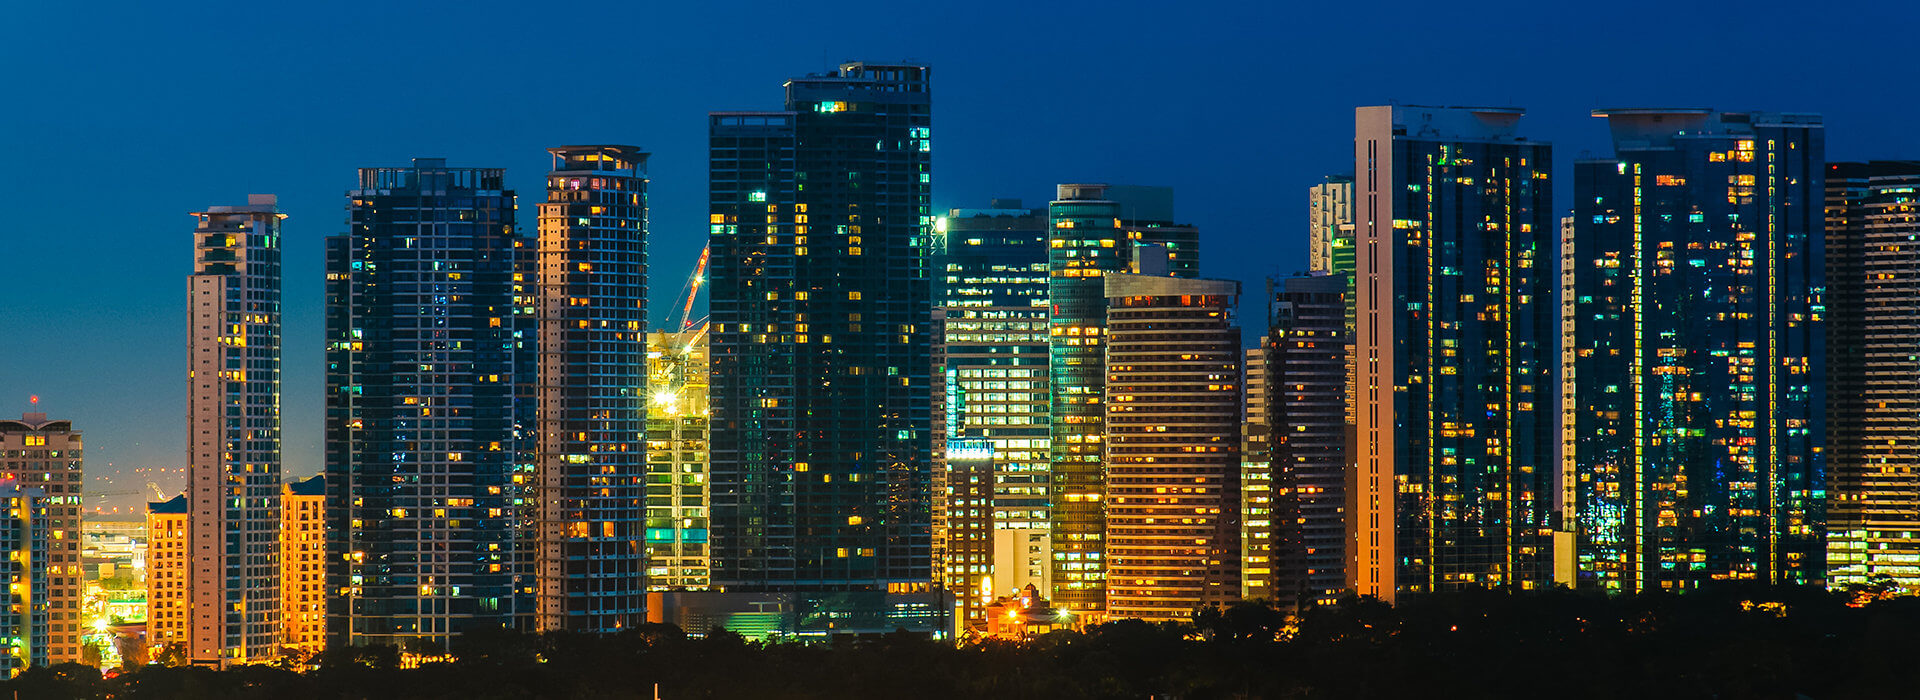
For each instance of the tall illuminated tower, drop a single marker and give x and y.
(233, 438)
(1873, 365)
(1094, 230)
(1698, 350)
(1455, 349)
(1307, 349)
(593, 390)
(677, 483)
(431, 360)
(821, 237)
(45, 458)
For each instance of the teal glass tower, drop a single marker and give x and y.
(821, 310)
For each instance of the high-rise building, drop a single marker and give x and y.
(1094, 230)
(821, 235)
(167, 569)
(26, 535)
(1330, 230)
(1698, 356)
(677, 436)
(431, 357)
(1455, 352)
(233, 431)
(303, 554)
(1256, 481)
(990, 387)
(967, 565)
(46, 455)
(1306, 350)
(592, 460)
(1873, 415)
(1173, 405)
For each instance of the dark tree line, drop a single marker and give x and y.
(1734, 641)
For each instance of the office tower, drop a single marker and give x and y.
(1094, 230)
(1455, 349)
(1256, 479)
(1698, 350)
(167, 569)
(1173, 406)
(967, 565)
(431, 356)
(233, 420)
(592, 458)
(1330, 231)
(821, 226)
(1873, 507)
(677, 436)
(46, 456)
(990, 384)
(26, 536)
(303, 554)
(1306, 350)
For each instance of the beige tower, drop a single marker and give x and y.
(233, 446)
(303, 551)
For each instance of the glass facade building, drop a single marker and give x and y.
(592, 460)
(431, 373)
(821, 227)
(233, 424)
(1094, 230)
(1698, 350)
(1455, 351)
(1873, 350)
(26, 536)
(40, 463)
(1306, 352)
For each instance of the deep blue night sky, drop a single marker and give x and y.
(120, 118)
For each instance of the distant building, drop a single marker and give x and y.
(968, 564)
(1330, 226)
(1173, 406)
(1873, 367)
(168, 565)
(1094, 230)
(816, 617)
(821, 235)
(431, 357)
(1025, 615)
(46, 455)
(592, 460)
(25, 536)
(1306, 350)
(677, 438)
(1699, 351)
(303, 551)
(1455, 349)
(1256, 479)
(233, 417)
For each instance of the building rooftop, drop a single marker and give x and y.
(172, 506)
(34, 423)
(315, 485)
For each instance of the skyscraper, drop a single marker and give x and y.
(1306, 378)
(1256, 479)
(25, 539)
(303, 565)
(820, 230)
(1873, 365)
(593, 390)
(1094, 230)
(430, 414)
(46, 456)
(167, 570)
(1173, 404)
(677, 435)
(991, 386)
(233, 434)
(1455, 350)
(1698, 350)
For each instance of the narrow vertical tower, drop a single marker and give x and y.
(593, 390)
(1307, 349)
(233, 434)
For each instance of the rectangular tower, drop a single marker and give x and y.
(1172, 446)
(1306, 351)
(1094, 230)
(1455, 348)
(820, 229)
(592, 459)
(677, 480)
(1698, 355)
(26, 536)
(303, 553)
(47, 457)
(431, 360)
(167, 567)
(233, 446)
(1873, 366)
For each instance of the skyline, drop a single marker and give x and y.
(101, 342)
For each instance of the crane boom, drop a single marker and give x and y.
(693, 288)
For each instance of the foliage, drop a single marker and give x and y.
(1733, 641)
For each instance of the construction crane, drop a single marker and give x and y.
(693, 288)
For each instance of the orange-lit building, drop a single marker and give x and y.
(167, 572)
(1026, 616)
(303, 549)
(46, 455)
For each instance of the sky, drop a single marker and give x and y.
(120, 118)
